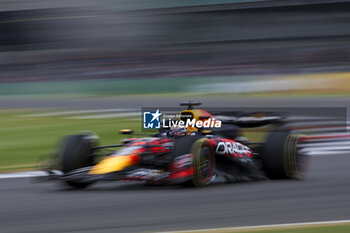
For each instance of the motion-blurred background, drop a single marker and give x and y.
(71, 65)
(231, 46)
(80, 64)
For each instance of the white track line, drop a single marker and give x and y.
(326, 153)
(106, 115)
(64, 113)
(261, 226)
(22, 174)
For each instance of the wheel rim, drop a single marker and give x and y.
(205, 166)
(301, 162)
(298, 161)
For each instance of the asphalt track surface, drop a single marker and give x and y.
(134, 102)
(300, 105)
(28, 206)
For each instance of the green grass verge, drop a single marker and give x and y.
(315, 229)
(322, 228)
(206, 86)
(24, 139)
(319, 229)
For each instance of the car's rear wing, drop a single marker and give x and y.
(252, 120)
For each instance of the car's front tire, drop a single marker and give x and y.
(76, 152)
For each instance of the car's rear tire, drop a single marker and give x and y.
(281, 157)
(76, 152)
(203, 164)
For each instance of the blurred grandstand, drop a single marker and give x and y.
(90, 39)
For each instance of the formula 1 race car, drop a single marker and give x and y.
(187, 156)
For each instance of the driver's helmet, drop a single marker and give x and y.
(177, 131)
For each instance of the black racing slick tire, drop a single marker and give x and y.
(76, 152)
(281, 157)
(203, 163)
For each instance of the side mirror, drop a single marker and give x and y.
(126, 131)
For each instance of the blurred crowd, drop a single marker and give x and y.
(87, 39)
